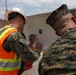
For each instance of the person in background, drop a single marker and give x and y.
(32, 45)
(60, 57)
(13, 47)
(32, 39)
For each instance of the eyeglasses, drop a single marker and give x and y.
(14, 15)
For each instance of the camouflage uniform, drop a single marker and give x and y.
(17, 42)
(60, 57)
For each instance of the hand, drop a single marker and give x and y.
(39, 46)
(32, 38)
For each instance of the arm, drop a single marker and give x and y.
(17, 42)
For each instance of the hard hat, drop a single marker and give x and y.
(18, 10)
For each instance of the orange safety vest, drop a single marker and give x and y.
(9, 63)
(29, 64)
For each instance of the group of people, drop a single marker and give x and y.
(58, 59)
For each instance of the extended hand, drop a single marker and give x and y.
(39, 46)
(32, 38)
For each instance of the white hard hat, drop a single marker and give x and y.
(14, 10)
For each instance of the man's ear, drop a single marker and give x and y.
(73, 19)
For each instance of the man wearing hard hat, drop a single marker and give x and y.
(13, 45)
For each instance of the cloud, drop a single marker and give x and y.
(37, 11)
(38, 3)
(31, 7)
(42, 6)
(41, 3)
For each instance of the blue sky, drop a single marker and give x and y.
(33, 7)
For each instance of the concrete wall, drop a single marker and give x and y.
(36, 24)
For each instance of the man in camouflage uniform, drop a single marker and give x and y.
(60, 57)
(16, 41)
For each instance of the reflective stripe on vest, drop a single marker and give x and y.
(9, 64)
(8, 60)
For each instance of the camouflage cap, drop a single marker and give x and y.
(56, 14)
